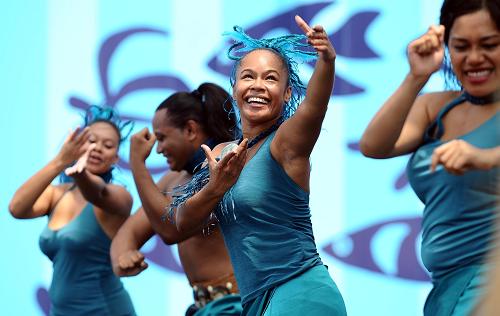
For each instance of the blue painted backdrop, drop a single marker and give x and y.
(58, 56)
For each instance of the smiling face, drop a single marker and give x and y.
(105, 153)
(174, 143)
(261, 87)
(474, 47)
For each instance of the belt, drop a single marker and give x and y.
(205, 292)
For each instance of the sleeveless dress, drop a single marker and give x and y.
(83, 282)
(271, 244)
(458, 219)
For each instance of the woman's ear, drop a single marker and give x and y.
(288, 94)
(116, 157)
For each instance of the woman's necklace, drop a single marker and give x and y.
(252, 141)
(263, 134)
(487, 99)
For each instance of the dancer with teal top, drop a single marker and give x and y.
(83, 216)
(259, 190)
(454, 138)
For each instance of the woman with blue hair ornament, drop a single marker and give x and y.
(258, 189)
(84, 213)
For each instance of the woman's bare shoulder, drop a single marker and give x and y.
(224, 146)
(60, 189)
(435, 101)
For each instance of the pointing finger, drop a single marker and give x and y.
(302, 24)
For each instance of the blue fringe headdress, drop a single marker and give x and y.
(292, 48)
(94, 114)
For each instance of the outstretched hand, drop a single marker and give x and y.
(80, 164)
(317, 38)
(141, 144)
(225, 172)
(426, 53)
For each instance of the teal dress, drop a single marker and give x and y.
(268, 233)
(83, 282)
(458, 219)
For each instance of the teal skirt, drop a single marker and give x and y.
(229, 305)
(310, 293)
(456, 293)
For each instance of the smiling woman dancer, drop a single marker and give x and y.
(83, 215)
(260, 193)
(454, 137)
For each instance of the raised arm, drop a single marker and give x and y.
(35, 196)
(398, 127)
(298, 135)
(152, 198)
(111, 198)
(126, 258)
